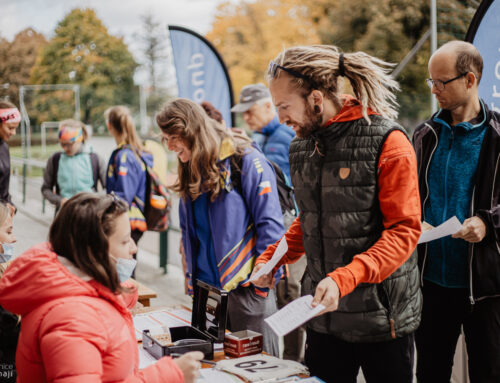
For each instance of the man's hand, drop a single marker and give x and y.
(327, 294)
(426, 227)
(265, 281)
(473, 230)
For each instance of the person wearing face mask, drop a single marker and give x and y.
(9, 322)
(75, 169)
(9, 121)
(76, 322)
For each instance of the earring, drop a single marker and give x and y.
(317, 109)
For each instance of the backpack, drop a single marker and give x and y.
(94, 160)
(158, 202)
(285, 191)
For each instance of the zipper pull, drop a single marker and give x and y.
(393, 328)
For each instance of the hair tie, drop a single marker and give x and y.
(341, 65)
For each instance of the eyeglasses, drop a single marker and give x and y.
(274, 66)
(440, 84)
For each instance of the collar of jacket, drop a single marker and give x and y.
(350, 111)
(227, 149)
(443, 114)
(271, 127)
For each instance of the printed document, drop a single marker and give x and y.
(449, 227)
(280, 251)
(293, 315)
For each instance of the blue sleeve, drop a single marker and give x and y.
(125, 179)
(258, 183)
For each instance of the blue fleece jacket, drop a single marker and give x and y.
(274, 140)
(451, 180)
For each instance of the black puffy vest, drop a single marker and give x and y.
(334, 172)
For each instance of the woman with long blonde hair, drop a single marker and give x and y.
(127, 167)
(229, 210)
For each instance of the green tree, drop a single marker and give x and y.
(387, 29)
(83, 52)
(251, 33)
(16, 61)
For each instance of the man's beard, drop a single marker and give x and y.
(313, 122)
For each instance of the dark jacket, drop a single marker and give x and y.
(4, 172)
(341, 218)
(484, 257)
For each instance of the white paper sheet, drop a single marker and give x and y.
(211, 375)
(280, 251)
(155, 320)
(293, 315)
(449, 227)
(145, 358)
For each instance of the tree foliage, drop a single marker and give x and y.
(83, 52)
(387, 29)
(16, 61)
(249, 34)
(153, 47)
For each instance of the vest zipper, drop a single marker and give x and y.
(425, 199)
(320, 215)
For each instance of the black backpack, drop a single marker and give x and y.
(285, 191)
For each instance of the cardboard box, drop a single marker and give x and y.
(208, 326)
(243, 343)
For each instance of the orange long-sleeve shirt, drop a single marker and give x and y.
(400, 205)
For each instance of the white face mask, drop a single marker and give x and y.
(124, 268)
(8, 252)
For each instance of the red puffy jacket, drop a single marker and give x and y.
(73, 329)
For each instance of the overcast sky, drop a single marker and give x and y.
(121, 17)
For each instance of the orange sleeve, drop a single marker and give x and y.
(400, 205)
(295, 246)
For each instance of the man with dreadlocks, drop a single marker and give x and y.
(355, 177)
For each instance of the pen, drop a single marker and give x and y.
(176, 355)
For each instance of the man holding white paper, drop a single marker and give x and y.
(355, 178)
(459, 164)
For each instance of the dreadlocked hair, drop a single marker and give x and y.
(319, 65)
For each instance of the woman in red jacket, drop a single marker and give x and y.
(76, 325)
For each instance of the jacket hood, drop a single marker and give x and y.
(37, 277)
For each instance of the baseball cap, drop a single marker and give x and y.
(249, 95)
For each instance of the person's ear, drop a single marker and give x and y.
(471, 79)
(315, 99)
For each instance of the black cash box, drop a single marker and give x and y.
(208, 326)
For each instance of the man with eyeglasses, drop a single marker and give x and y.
(459, 163)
